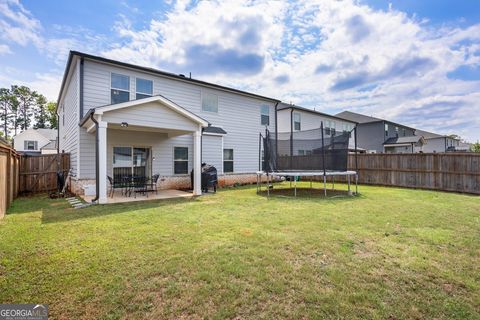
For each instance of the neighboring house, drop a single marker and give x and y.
(36, 141)
(294, 118)
(380, 135)
(439, 143)
(126, 119)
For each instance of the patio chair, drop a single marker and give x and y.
(152, 184)
(114, 185)
(139, 184)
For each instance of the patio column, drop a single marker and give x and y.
(102, 165)
(197, 150)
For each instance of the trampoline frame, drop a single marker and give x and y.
(296, 174)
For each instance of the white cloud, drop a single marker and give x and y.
(4, 49)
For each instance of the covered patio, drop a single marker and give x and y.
(134, 141)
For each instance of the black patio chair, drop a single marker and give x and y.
(152, 183)
(114, 185)
(139, 185)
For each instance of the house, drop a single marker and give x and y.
(380, 135)
(118, 119)
(295, 118)
(36, 141)
(439, 143)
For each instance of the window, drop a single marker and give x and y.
(301, 152)
(329, 127)
(265, 115)
(386, 129)
(296, 121)
(209, 102)
(30, 145)
(180, 160)
(120, 88)
(144, 88)
(131, 161)
(227, 160)
(333, 128)
(404, 132)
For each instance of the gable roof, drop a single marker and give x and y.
(158, 98)
(431, 135)
(49, 134)
(52, 145)
(283, 106)
(361, 119)
(154, 71)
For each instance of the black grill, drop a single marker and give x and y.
(209, 178)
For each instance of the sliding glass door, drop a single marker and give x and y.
(131, 161)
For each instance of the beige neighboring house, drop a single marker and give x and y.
(36, 141)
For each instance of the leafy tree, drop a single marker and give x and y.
(476, 147)
(26, 101)
(52, 114)
(41, 112)
(6, 113)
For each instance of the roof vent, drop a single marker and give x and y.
(182, 75)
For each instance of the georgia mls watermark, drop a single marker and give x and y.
(23, 312)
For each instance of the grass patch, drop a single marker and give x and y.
(388, 253)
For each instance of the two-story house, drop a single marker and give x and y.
(380, 135)
(118, 119)
(36, 141)
(439, 143)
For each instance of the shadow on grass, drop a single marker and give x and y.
(54, 215)
(308, 194)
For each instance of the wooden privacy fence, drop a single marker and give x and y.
(9, 168)
(458, 172)
(39, 173)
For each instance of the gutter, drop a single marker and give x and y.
(276, 132)
(97, 175)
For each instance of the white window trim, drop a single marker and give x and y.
(262, 114)
(173, 160)
(123, 90)
(223, 160)
(300, 121)
(145, 94)
(205, 92)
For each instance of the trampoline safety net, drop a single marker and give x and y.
(308, 150)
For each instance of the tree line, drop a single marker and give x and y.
(22, 108)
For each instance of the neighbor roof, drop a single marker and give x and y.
(403, 140)
(283, 106)
(50, 134)
(430, 135)
(360, 118)
(52, 145)
(152, 70)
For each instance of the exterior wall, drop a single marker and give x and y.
(68, 120)
(392, 133)
(29, 135)
(435, 145)
(238, 115)
(371, 136)
(212, 151)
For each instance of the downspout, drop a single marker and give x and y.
(291, 138)
(81, 89)
(97, 174)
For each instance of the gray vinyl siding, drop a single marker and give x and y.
(212, 152)
(151, 115)
(238, 115)
(371, 136)
(69, 131)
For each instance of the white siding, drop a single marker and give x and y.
(68, 120)
(212, 151)
(237, 114)
(29, 135)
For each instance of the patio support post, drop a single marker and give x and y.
(197, 183)
(102, 161)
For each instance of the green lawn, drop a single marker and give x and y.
(389, 253)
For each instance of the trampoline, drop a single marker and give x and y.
(316, 154)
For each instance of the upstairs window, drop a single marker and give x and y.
(329, 127)
(404, 132)
(144, 88)
(227, 160)
(265, 115)
(120, 88)
(297, 121)
(386, 129)
(209, 102)
(30, 145)
(396, 131)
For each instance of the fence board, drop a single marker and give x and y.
(458, 172)
(9, 162)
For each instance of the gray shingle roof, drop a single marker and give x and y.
(402, 140)
(50, 134)
(212, 129)
(357, 117)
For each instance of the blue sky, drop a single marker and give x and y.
(416, 62)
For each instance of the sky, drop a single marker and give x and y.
(408, 61)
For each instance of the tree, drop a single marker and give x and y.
(41, 112)
(26, 100)
(52, 114)
(5, 115)
(476, 147)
